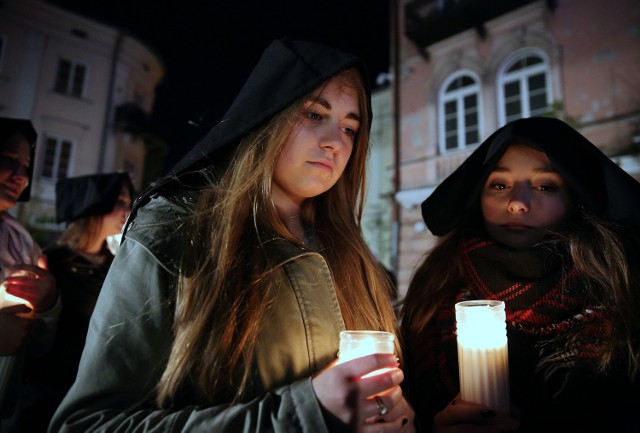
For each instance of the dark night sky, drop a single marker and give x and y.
(210, 47)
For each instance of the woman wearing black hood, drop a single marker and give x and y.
(28, 323)
(539, 218)
(222, 310)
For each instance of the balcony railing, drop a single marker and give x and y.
(430, 21)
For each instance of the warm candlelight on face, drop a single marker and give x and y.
(482, 353)
(355, 344)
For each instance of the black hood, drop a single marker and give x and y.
(94, 194)
(8, 127)
(287, 70)
(595, 181)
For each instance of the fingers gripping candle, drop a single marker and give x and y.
(482, 353)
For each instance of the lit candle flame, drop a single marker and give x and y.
(482, 353)
(356, 344)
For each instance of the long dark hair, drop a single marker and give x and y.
(606, 258)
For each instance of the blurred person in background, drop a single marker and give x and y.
(29, 301)
(95, 207)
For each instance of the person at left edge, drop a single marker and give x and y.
(28, 326)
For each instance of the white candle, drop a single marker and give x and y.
(482, 353)
(356, 344)
(7, 363)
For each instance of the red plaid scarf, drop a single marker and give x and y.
(543, 298)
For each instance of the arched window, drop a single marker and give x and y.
(459, 112)
(524, 88)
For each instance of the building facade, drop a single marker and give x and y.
(377, 216)
(85, 86)
(466, 67)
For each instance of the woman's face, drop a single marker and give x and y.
(15, 160)
(112, 222)
(319, 146)
(523, 198)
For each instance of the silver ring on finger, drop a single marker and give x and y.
(382, 409)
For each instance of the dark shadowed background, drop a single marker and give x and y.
(210, 47)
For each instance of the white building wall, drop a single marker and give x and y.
(377, 224)
(119, 69)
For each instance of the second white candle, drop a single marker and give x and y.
(482, 353)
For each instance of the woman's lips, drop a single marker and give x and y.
(516, 226)
(325, 165)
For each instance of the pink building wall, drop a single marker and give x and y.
(593, 52)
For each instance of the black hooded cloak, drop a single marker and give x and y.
(595, 181)
(93, 194)
(287, 70)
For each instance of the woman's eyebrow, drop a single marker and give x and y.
(544, 169)
(321, 101)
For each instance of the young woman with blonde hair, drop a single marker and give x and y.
(223, 308)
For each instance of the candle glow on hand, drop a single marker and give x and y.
(7, 299)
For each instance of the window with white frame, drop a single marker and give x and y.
(70, 78)
(56, 158)
(524, 88)
(459, 112)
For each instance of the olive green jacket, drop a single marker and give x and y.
(130, 337)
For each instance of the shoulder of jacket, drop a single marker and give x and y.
(162, 226)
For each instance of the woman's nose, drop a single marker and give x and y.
(332, 140)
(520, 200)
(21, 172)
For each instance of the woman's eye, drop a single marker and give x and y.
(497, 185)
(313, 115)
(350, 131)
(12, 163)
(547, 188)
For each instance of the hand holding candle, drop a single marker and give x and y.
(17, 326)
(376, 400)
(482, 353)
(31, 285)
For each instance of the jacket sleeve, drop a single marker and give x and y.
(127, 348)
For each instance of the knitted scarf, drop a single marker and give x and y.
(543, 298)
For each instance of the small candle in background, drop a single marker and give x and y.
(355, 344)
(113, 243)
(482, 353)
(7, 363)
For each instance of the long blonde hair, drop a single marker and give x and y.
(221, 304)
(82, 233)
